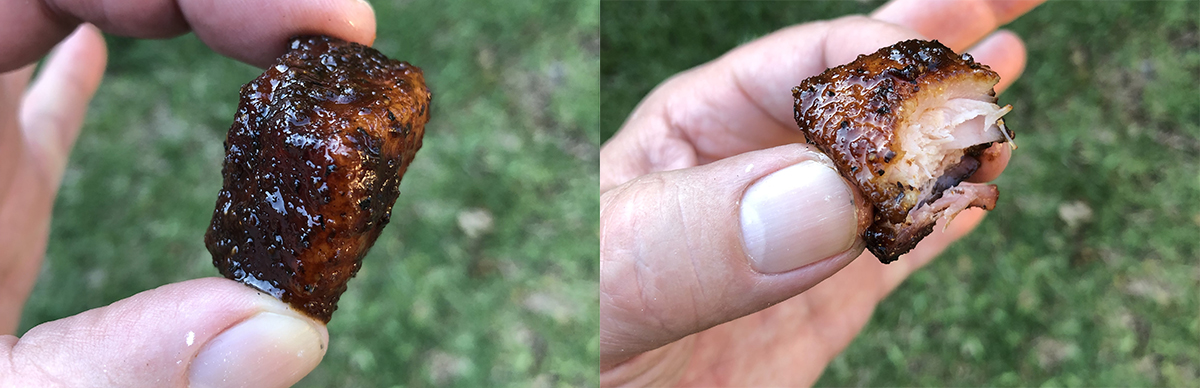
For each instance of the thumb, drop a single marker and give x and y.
(199, 333)
(686, 250)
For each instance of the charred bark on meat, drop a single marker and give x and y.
(313, 165)
(906, 124)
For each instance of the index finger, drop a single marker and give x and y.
(958, 24)
(255, 32)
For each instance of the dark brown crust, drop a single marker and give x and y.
(851, 111)
(312, 168)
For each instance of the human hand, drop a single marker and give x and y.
(199, 333)
(728, 247)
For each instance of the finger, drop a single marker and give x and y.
(874, 281)
(704, 114)
(958, 24)
(683, 251)
(1004, 52)
(13, 83)
(929, 248)
(24, 228)
(50, 117)
(836, 315)
(55, 106)
(12, 87)
(993, 161)
(199, 333)
(662, 367)
(255, 32)
(764, 79)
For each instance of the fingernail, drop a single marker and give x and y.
(796, 216)
(267, 350)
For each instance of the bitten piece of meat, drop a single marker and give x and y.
(312, 168)
(906, 124)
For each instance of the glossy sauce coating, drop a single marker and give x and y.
(313, 165)
(852, 113)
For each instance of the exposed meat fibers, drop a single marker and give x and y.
(313, 163)
(906, 124)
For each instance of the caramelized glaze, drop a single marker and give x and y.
(313, 165)
(855, 113)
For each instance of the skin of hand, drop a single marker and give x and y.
(209, 332)
(730, 251)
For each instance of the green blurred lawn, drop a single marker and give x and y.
(1087, 274)
(487, 274)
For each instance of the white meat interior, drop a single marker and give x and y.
(934, 139)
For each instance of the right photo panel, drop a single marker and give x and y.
(899, 193)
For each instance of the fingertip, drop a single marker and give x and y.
(74, 67)
(259, 32)
(370, 18)
(80, 60)
(93, 39)
(799, 215)
(266, 350)
(994, 159)
(956, 23)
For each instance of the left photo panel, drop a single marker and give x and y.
(301, 193)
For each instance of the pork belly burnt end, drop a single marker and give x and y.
(312, 168)
(907, 125)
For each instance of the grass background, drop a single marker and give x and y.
(486, 275)
(1087, 275)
